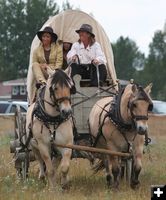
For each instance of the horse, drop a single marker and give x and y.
(120, 124)
(49, 120)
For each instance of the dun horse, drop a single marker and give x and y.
(49, 120)
(120, 124)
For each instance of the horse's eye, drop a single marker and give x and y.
(55, 88)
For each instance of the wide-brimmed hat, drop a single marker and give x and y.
(49, 30)
(87, 28)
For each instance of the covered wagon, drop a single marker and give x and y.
(65, 24)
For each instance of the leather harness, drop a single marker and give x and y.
(114, 114)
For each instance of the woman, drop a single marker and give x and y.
(48, 54)
(66, 49)
(91, 57)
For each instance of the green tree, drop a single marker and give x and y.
(20, 20)
(128, 59)
(12, 19)
(67, 6)
(155, 67)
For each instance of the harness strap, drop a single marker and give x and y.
(147, 139)
(52, 133)
(94, 95)
(115, 114)
(129, 143)
(100, 132)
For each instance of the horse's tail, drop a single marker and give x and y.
(98, 166)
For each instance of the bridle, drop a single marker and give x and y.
(143, 97)
(56, 101)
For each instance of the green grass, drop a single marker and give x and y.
(83, 184)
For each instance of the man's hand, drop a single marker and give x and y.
(95, 61)
(74, 58)
(44, 66)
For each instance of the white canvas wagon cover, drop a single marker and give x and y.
(64, 25)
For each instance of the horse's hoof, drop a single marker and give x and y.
(109, 181)
(66, 186)
(42, 177)
(135, 185)
(43, 180)
(115, 188)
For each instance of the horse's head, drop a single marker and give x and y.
(139, 105)
(60, 86)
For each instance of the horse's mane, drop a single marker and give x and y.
(61, 78)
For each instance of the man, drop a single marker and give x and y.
(89, 55)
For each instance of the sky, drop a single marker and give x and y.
(136, 19)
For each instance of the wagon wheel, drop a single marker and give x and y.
(22, 162)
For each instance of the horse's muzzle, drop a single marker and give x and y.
(65, 113)
(141, 130)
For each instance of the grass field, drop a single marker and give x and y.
(83, 184)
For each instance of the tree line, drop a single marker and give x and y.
(131, 63)
(21, 19)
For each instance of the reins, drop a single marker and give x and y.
(94, 95)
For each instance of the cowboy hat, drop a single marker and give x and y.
(87, 28)
(49, 30)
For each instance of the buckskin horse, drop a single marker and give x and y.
(48, 121)
(120, 123)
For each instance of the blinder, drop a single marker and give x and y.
(73, 89)
(131, 106)
(55, 100)
(150, 108)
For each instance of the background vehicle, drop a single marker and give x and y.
(159, 107)
(10, 106)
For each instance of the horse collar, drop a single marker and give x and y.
(115, 114)
(40, 113)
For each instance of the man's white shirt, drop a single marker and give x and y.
(86, 55)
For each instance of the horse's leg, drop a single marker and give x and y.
(108, 170)
(137, 164)
(36, 152)
(45, 154)
(56, 163)
(64, 166)
(115, 171)
(41, 163)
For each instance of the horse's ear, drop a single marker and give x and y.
(148, 88)
(50, 71)
(68, 71)
(134, 88)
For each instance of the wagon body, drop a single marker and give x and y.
(83, 102)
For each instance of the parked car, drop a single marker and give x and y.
(10, 106)
(159, 107)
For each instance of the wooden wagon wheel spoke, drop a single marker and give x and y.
(17, 122)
